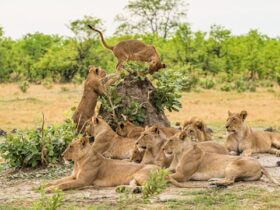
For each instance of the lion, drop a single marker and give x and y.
(222, 170)
(245, 141)
(93, 88)
(128, 129)
(92, 169)
(151, 141)
(133, 50)
(176, 144)
(107, 142)
(197, 130)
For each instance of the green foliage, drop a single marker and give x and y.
(156, 183)
(226, 87)
(242, 86)
(167, 91)
(23, 86)
(53, 202)
(27, 148)
(207, 83)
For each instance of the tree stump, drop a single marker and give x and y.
(134, 97)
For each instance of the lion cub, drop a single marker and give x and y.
(242, 139)
(196, 164)
(107, 142)
(133, 50)
(93, 88)
(92, 169)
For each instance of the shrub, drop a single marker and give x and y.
(32, 148)
(207, 83)
(47, 83)
(53, 202)
(226, 87)
(23, 86)
(156, 183)
(278, 79)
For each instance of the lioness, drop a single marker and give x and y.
(93, 88)
(242, 139)
(151, 141)
(197, 130)
(107, 142)
(176, 144)
(196, 164)
(128, 129)
(133, 50)
(92, 169)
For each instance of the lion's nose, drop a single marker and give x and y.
(227, 126)
(137, 143)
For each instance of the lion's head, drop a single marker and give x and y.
(149, 138)
(76, 149)
(137, 155)
(197, 130)
(97, 71)
(174, 144)
(124, 128)
(235, 121)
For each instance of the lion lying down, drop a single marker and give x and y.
(196, 164)
(242, 139)
(92, 169)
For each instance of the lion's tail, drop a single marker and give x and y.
(102, 38)
(183, 185)
(265, 172)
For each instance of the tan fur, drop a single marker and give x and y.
(151, 141)
(107, 142)
(134, 50)
(242, 139)
(177, 143)
(92, 169)
(93, 88)
(196, 164)
(128, 129)
(197, 130)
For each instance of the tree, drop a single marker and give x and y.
(84, 38)
(159, 17)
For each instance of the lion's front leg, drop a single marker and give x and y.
(70, 184)
(247, 152)
(58, 181)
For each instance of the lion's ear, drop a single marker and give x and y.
(121, 125)
(200, 125)
(182, 135)
(83, 141)
(229, 113)
(96, 120)
(156, 130)
(91, 139)
(243, 114)
(89, 68)
(97, 71)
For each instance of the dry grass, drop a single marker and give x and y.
(23, 110)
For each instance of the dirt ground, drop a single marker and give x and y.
(23, 110)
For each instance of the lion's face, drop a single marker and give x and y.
(155, 66)
(148, 138)
(136, 155)
(174, 143)
(235, 121)
(97, 71)
(196, 131)
(124, 128)
(76, 150)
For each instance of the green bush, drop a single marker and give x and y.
(226, 87)
(207, 83)
(242, 86)
(156, 183)
(23, 86)
(27, 148)
(53, 202)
